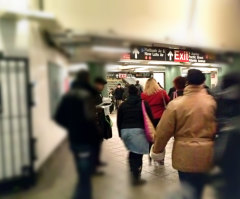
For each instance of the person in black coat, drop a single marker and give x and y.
(118, 94)
(100, 118)
(76, 113)
(130, 125)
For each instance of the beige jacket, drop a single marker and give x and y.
(191, 120)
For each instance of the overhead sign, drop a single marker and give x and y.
(116, 75)
(167, 54)
(148, 53)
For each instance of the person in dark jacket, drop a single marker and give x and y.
(227, 144)
(139, 87)
(171, 91)
(125, 93)
(130, 125)
(118, 95)
(76, 113)
(99, 83)
(179, 85)
(100, 117)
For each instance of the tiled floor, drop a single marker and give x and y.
(59, 180)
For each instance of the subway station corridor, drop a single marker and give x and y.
(57, 180)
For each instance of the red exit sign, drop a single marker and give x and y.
(122, 75)
(126, 56)
(181, 56)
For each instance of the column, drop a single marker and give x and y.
(208, 80)
(171, 73)
(97, 69)
(232, 67)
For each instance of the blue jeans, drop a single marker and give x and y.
(83, 156)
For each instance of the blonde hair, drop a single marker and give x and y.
(151, 86)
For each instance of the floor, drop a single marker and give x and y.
(58, 180)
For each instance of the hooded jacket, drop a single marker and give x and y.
(77, 113)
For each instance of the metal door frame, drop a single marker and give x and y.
(23, 181)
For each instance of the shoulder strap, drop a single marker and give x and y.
(164, 101)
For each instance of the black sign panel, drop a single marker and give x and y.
(116, 75)
(148, 53)
(175, 55)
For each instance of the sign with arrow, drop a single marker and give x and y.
(148, 53)
(135, 52)
(170, 55)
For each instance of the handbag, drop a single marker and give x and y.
(107, 134)
(148, 126)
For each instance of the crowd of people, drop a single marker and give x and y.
(188, 113)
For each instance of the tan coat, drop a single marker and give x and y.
(191, 120)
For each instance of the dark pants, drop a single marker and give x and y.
(83, 156)
(155, 122)
(196, 181)
(230, 187)
(135, 163)
(97, 153)
(118, 103)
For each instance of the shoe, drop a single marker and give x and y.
(150, 161)
(102, 164)
(98, 173)
(138, 182)
(161, 162)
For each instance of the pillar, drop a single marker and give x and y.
(208, 80)
(97, 69)
(171, 73)
(231, 67)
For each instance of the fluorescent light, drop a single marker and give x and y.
(130, 61)
(77, 67)
(141, 70)
(201, 64)
(110, 49)
(164, 63)
(203, 69)
(130, 67)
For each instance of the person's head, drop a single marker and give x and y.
(119, 86)
(151, 86)
(195, 77)
(100, 83)
(137, 82)
(82, 76)
(132, 90)
(179, 82)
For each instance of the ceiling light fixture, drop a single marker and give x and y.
(110, 49)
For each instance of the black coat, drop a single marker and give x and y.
(179, 93)
(119, 93)
(77, 113)
(130, 113)
(171, 91)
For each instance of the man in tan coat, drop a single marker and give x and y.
(190, 119)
